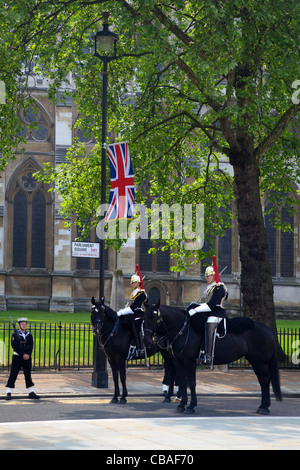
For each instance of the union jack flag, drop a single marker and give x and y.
(121, 198)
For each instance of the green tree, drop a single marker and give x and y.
(213, 81)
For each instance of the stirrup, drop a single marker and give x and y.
(135, 353)
(131, 352)
(139, 353)
(203, 358)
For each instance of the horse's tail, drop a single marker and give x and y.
(275, 378)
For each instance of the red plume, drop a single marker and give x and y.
(139, 274)
(217, 277)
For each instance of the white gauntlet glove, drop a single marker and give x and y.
(124, 311)
(201, 308)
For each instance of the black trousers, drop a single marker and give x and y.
(19, 363)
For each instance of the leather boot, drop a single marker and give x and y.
(210, 329)
(136, 337)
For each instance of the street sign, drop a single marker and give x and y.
(85, 250)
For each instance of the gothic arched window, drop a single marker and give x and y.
(280, 243)
(154, 296)
(29, 207)
(20, 230)
(37, 126)
(287, 245)
(271, 239)
(158, 261)
(38, 225)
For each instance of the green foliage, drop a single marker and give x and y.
(206, 77)
(75, 181)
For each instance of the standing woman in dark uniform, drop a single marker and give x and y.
(22, 344)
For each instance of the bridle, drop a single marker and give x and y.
(169, 347)
(157, 314)
(99, 325)
(96, 322)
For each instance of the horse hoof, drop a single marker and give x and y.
(114, 400)
(167, 400)
(123, 401)
(189, 411)
(263, 411)
(180, 409)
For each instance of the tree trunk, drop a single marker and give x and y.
(256, 279)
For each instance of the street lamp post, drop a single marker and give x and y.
(105, 41)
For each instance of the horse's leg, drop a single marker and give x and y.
(263, 375)
(190, 368)
(182, 382)
(122, 368)
(169, 365)
(114, 369)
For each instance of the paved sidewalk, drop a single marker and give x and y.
(159, 435)
(149, 382)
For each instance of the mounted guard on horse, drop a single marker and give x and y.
(133, 315)
(243, 337)
(216, 294)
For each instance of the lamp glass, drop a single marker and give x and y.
(105, 43)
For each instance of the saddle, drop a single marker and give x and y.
(236, 325)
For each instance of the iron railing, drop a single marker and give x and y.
(70, 346)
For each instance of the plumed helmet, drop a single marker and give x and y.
(209, 271)
(135, 278)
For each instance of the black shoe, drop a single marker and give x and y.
(33, 396)
(8, 396)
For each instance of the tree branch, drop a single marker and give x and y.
(281, 125)
(193, 77)
(185, 38)
(175, 116)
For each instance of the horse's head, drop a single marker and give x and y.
(97, 314)
(150, 322)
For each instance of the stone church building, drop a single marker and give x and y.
(37, 270)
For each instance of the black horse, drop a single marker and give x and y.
(114, 338)
(244, 337)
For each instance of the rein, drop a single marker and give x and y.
(112, 333)
(185, 325)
